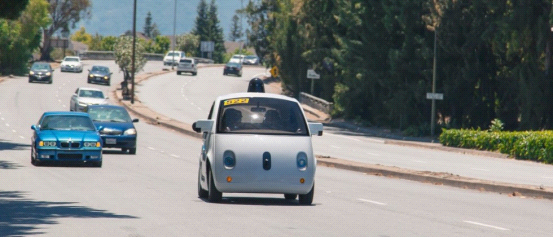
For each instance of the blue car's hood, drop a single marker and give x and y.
(63, 135)
(113, 125)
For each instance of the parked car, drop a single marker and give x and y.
(233, 68)
(99, 74)
(84, 97)
(41, 72)
(237, 58)
(115, 126)
(187, 65)
(251, 60)
(257, 143)
(173, 57)
(71, 64)
(65, 137)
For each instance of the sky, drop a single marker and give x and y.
(114, 17)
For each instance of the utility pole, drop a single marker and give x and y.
(133, 51)
(433, 116)
(174, 38)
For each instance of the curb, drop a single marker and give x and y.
(436, 178)
(439, 178)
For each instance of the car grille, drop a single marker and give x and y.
(70, 156)
(111, 132)
(70, 145)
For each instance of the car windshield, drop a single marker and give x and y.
(100, 69)
(40, 66)
(186, 61)
(91, 94)
(250, 57)
(109, 114)
(67, 122)
(233, 65)
(71, 59)
(173, 54)
(261, 116)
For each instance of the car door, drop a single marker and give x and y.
(206, 149)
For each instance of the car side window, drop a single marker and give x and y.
(211, 111)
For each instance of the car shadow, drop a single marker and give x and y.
(118, 152)
(22, 216)
(9, 165)
(259, 201)
(12, 146)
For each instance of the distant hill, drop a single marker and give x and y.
(115, 17)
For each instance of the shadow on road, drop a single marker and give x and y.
(21, 217)
(12, 146)
(260, 201)
(9, 165)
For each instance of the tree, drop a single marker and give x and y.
(108, 43)
(148, 28)
(11, 9)
(82, 36)
(155, 31)
(162, 44)
(235, 29)
(64, 14)
(188, 43)
(95, 43)
(216, 33)
(201, 28)
(123, 54)
(19, 38)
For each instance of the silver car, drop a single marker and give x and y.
(84, 97)
(187, 65)
(71, 64)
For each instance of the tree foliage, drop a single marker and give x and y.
(123, 54)
(148, 28)
(82, 36)
(11, 9)
(208, 29)
(188, 43)
(235, 29)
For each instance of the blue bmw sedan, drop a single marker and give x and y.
(115, 125)
(66, 137)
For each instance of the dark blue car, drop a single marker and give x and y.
(115, 125)
(66, 137)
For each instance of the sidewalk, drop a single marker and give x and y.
(436, 178)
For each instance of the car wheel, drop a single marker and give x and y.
(132, 151)
(194, 73)
(97, 164)
(201, 192)
(34, 161)
(178, 73)
(213, 195)
(88, 81)
(290, 196)
(50, 81)
(224, 73)
(307, 199)
(30, 80)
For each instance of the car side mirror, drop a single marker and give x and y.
(195, 128)
(34, 127)
(316, 128)
(202, 126)
(135, 120)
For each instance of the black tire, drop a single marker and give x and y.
(50, 81)
(30, 80)
(178, 73)
(33, 160)
(89, 81)
(97, 164)
(201, 192)
(213, 195)
(132, 151)
(290, 196)
(194, 73)
(307, 199)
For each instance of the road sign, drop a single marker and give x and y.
(207, 46)
(434, 96)
(274, 71)
(311, 74)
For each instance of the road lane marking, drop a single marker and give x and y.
(486, 225)
(59, 101)
(419, 161)
(547, 177)
(373, 202)
(63, 106)
(173, 155)
(2, 118)
(14, 131)
(22, 137)
(199, 108)
(151, 148)
(479, 169)
(373, 154)
(7, 125)
(350, 138)
(333, 146)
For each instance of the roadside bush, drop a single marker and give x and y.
(528, 145)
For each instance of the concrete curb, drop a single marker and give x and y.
(436, 178)
(439, 178)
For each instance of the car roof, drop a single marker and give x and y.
(255, 95)
(89, 89)
(66, 113)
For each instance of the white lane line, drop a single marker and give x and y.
(479, 169)
(14, 131)
(199, 108)
(162, 151)
(59, 101)
(372, 154)
(57, 95)
(63, 106)
(185, 98)
(22, 137)
(151, 148)
(486, 225)
(333, 146)
(173, 155)
(350, 138)
(373, 202)
(2, 118)
(7, 125)
(547, 177)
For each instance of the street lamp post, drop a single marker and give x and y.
(133, 51)
(433, 116)
(65, 40)
(174, 38)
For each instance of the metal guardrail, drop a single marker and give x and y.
(316, 102)
(108, 55)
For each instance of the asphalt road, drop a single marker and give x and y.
(153, 193)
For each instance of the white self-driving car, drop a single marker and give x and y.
(257, 143)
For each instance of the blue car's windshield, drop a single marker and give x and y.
(67, 122)
(109, 114)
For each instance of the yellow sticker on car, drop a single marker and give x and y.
(237, 101)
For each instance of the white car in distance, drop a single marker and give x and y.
(173, 57)
(257, 143)
(71, 64)
(237, 58)
(84, 97)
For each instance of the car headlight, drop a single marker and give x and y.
(48, 74)
(130, 131)
(82, 104)
(31, 73)
(301, 160)
(229, 159)
(106, 77)
(91, 76)
(47, 143)
(92, 144)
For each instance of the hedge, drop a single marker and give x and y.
(528, 145)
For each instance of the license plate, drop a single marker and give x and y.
(111, 141)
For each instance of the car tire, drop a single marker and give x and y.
(194, 73)
(290, 196)
(30, 80)
(307, 199)
(50, 81)
(97, 164)
(178, 73)
(201, 192)
(34, 161)
(132, 151)
(88, 81)
(213, 195)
